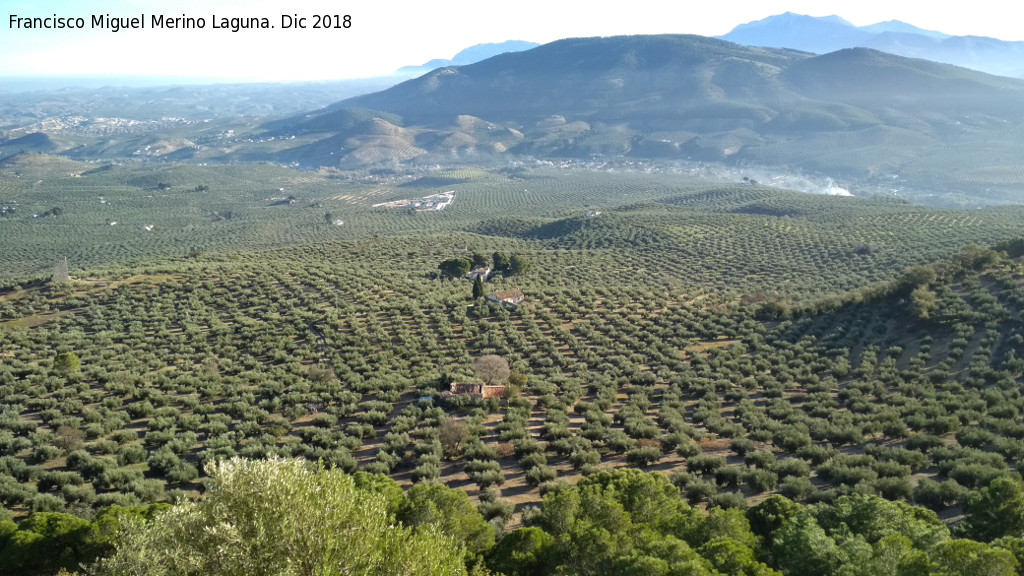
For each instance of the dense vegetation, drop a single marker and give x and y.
(287, 517)
(746, 343)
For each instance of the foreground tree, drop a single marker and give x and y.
(434, 507)
(47, 542)
(43, 543)
(995, 511)
(524, 552)
(970, 558)
(619, 522)
(281, 517)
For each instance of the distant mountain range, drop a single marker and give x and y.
(831, 33)
(470, 55)
(679, 81)
(875, 120)
(855, 113)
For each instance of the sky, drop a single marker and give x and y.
(386, 34)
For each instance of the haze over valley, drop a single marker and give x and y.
(875, 122)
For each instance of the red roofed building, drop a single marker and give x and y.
(508, 297)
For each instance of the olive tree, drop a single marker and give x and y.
(452, 433)
(281, 517)
(66, 363)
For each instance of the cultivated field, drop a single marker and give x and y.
(654, 335)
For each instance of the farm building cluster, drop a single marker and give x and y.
(432, 203)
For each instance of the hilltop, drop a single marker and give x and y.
(831, 33)
(469, 55)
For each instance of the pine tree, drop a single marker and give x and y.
(518, 265)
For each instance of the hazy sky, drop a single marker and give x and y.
(387, 35)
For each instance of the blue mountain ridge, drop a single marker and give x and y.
(821, 35)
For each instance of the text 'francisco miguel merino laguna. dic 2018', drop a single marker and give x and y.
(183, 22)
